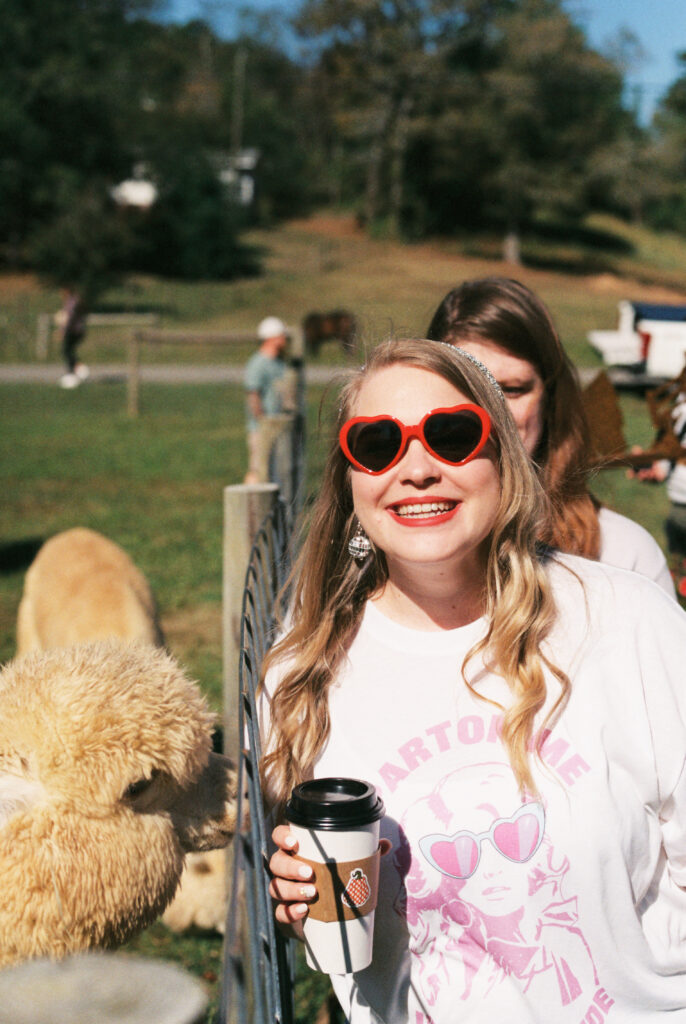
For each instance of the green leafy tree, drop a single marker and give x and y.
(452, 153)
(191, 230)
(452, 114)
(371, 61)
(551, 102)
(272, 109)
(622, 175)
(523, 106)
(89, 91)
(63, 103)
(85, 245)
(666, 204)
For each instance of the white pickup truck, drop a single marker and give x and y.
(649, 345)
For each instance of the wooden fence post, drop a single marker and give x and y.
(132, 381)
(43, 335)
(245, 506)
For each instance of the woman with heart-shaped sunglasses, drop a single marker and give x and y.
(426, 630)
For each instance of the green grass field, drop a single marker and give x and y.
(155, 484)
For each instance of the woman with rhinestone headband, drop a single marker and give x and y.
(522, 713)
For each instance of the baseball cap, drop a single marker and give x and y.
(271, 327)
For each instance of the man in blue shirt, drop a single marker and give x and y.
(263, 381)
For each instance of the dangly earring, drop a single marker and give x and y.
(359, 544)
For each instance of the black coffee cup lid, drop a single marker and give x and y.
(334, 804)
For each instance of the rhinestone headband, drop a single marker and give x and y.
(479, 365)
(467, 355)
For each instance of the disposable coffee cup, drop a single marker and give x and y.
(336, 822)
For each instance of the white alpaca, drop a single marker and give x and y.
(80, 587)
(107, 779)
(201, 898)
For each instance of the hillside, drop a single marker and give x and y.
(327, 262)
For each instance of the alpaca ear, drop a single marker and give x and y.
(17, 794)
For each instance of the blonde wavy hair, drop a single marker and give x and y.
(330, 589)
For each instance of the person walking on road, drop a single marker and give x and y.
(72, 319)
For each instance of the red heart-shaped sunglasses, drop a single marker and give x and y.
(375, 444)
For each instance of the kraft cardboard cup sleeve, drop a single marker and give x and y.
(336, 822)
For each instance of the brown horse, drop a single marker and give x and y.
(338, 325)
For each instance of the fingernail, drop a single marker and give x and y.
(300, 909)
(305, 871)
(289, 841)
(308, 891)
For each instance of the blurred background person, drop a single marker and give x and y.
(505, 325)
(72, 320)
(264, 386)
(673, 471)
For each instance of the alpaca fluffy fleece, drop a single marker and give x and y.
(201, 898)
(82, 586)
(106, 780)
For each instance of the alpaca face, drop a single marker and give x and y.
(106, 780)
(199, 813)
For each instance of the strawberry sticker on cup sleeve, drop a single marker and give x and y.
(357, 890)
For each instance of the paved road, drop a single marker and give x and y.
(50, 373)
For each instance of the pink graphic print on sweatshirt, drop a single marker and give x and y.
(483, 896)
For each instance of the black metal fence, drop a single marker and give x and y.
(287, 456)
(258, 965)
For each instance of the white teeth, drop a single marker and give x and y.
(425, 509)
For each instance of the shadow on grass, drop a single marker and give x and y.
(574, 264)
(586, 237)
(566, 247)
(17, 555)
(583, 249)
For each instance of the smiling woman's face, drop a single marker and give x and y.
(424, 511)
(521, 384)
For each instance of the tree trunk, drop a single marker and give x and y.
(397, 167)
(377, 149)
(512, 252)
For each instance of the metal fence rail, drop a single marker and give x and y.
(287, 457)
(258, 965)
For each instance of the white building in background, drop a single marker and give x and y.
(137, 191)
(237, 174)
(134, 193)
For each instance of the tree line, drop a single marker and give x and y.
(424, 117)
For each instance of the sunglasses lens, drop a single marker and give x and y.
(374, 445)
(453, 436)
(518, 840)
(456, 857)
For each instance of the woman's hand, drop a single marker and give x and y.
(656, 473)
(291, 885)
